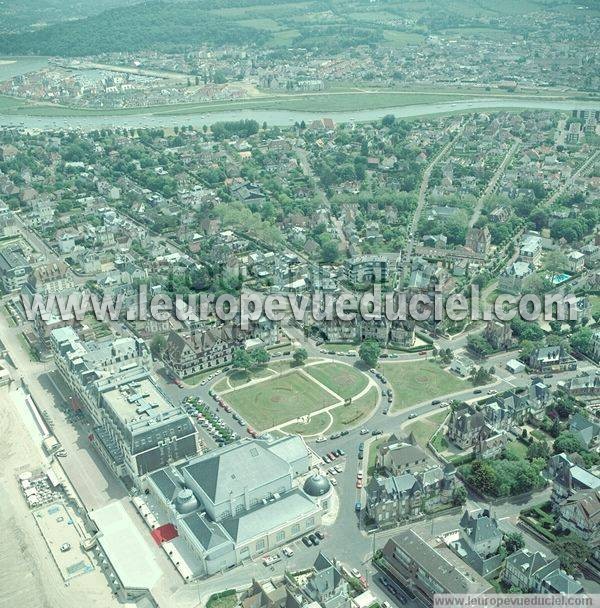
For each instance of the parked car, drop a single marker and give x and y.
(306, 540)
(320, 534)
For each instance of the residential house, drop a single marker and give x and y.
(499, 335)
(530, 250)
(478, 541)
(479, 240)
(551, 359)
(585, 430)
(536, 573)
(465, 425)
(512, 278)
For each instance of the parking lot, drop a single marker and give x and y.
(62, 531)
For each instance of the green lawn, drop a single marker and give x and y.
(222, 600)
(342, 379)
(419, 381)
(340, 347)
(276, 401)
(426, 427)
(595, 303)
(518, 448)
(315, 425)
(346, 416)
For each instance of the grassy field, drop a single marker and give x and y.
(424, 428)
(343, 380)
(346, 416)
(419, 381)
(276, 401)
(315, 425)
(595, 303)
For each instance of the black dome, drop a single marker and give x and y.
(317, 485)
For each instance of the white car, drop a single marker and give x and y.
(333, 481)
(355, 573)
(321, 439)
(364, 431)
(287, 551)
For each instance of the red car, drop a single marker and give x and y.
(332, 455)
(359, 483)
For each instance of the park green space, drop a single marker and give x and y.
(348, 416)
(343, 380)
(424, 428)
(418, 381)
(274, 402)
(317, 424)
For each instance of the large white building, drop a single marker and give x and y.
(241, 500)
(136, 428)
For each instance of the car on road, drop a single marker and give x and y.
(65, 547)
(357, 506)
(335, 436)
(390, 398)
(385, 411)
(435, 402)
(422, 352)
(268, 560)
(321, 439)
(344, 433)
(359, 484)
(477, 391)
(364, 431)
(376, 432)
(492, 391)
(383, 379)
(548, 375)
(411, 416)
(360, 455)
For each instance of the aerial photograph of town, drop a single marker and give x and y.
(299, 303)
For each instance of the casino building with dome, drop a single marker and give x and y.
(240, 500)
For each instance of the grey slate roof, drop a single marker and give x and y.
(232, 469)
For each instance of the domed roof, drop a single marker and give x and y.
(317, 485)
(185, 501)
